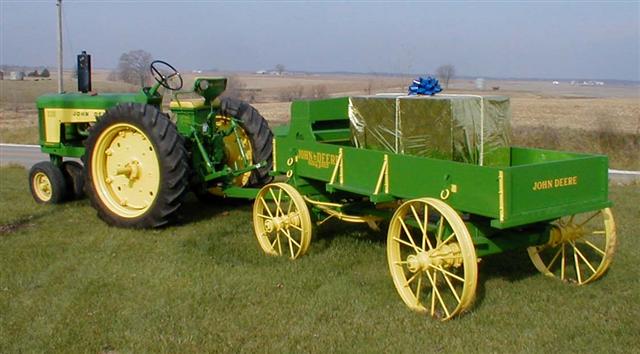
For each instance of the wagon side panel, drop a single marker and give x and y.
(548, 190)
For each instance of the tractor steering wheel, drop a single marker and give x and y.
(164, 80)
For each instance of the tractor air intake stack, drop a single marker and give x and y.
(84, 72)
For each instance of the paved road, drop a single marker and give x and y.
(23, 155)
(28, 155)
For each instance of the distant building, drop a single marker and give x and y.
(261, 72)
(480, 83)
(16, 75)
(1, 75)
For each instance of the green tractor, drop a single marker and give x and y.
(138, 163)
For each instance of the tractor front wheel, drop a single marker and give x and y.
(46, 183)
(136, 167)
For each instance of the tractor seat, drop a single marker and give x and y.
(187, 103)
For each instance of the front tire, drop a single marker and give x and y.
(136, 168)
(46, 183)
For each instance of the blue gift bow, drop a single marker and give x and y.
(425, 86)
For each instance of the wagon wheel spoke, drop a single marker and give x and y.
(434, 284)
(449, 273)
(594, 247)
(291, 239)
(452, 292)
(584, 259)
(554, 258)
(594, 230)
(294, 224)
(266, 207)
(441, 230)
(408, 233)
(423, 228)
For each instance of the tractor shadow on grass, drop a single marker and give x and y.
(194, 209)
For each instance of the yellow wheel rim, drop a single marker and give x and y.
(432, 258)
(580, 247)
(125, 170)
(281, 221)
(42, 186)
(232, 149)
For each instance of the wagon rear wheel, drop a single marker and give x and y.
(580, 247)
(432, 258)
(281, 221)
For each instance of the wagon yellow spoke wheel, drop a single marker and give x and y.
(126, 170)
(432, 258)
(281, 221)
(580, 247)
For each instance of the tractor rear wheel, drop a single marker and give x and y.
(136, 167)
(46, 183)
(258, 133)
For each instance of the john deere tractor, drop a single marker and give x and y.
(138, 162)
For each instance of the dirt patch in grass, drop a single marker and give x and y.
(12, 227)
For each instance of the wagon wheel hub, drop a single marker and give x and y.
(443, 256)
(282, 222)
(565, 233)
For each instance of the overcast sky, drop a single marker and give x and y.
(534, 39)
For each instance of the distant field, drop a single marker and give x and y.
(71, 284)
(602, 119)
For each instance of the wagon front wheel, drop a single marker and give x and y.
(580, 247)
(432, 258)
(281, 221)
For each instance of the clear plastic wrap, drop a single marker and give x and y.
(465, 128)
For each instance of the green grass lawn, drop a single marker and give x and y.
(69, 283)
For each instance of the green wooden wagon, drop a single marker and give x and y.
(442, 216)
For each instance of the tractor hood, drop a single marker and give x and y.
(94, 100)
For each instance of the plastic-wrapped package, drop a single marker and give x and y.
(465, 128)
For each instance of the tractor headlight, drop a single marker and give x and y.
(203, 85)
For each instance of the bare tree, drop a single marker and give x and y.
(319, 91)
(279, 69)
(446, 73)
(288, 94)
(235, 88)
(133, 67)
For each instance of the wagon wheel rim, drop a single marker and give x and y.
(431, 258)
(233, 146)
(580, 247)
(125, 170)
(281, 221)
(42, 186)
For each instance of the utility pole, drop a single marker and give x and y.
(60, 88)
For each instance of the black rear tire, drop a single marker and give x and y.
(259, 134)
(47, 184)
(162, 171)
